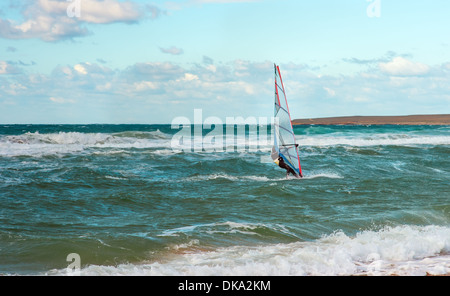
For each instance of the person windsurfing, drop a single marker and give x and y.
(280, 162)
(285, 149)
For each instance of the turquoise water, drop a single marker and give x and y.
(375, 200)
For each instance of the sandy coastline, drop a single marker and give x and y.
(439, 119)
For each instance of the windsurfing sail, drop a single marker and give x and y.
(284, 139)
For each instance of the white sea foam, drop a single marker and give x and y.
(226, 227)
(200, 178)
(309, 175)
(37, 144)
(401, 250)
(322, 174)
(363, 140)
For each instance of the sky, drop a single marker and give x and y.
(147, 62)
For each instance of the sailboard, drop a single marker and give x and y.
(284, 144)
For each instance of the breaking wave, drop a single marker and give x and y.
(38, 144)
(401, 250)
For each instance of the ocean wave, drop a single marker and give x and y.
(90, 139)
(322, 174)
(230, 227)
(372, 140)
(255, 178)
(37, 144)
(400, 250)
(200, 178)
(144, 135)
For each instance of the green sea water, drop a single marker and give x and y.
(374, 200)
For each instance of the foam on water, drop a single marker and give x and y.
(39, 144)
(361, 140)
(322, 174)
(401, 250)
(227, 227)
(309, 175)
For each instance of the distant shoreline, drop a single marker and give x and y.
(440, 119)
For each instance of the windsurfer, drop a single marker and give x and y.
(285, 149)
(280, 162)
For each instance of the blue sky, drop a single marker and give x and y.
(135, 61)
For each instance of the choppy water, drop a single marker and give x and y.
(375, 200)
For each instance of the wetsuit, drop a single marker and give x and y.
(280, 162)
(288, 169)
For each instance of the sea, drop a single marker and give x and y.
(137, 200)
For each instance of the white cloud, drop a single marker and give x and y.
(41, 24)
(145, 85)
(402, 67)
(80, 69)
(61, 100)
(109, 11)
(172, 50)
(330, 91)
(52, 20)
(190, 77)
(104, 87)
(211, 68)
(3, 67)
(7, 68)
(67, 71)
(156, 71)
(168, 89)
(90, 68)
(360, 99)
